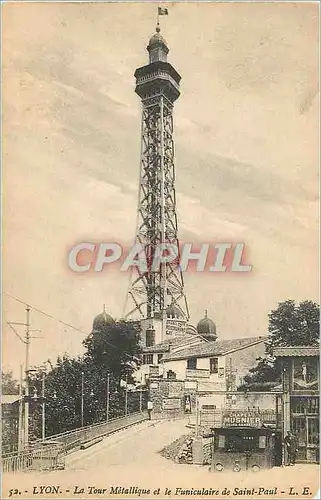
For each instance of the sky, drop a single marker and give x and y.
(246, 144)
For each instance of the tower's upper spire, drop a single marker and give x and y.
(157, 47)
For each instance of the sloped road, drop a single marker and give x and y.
(127, 465)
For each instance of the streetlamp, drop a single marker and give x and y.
(43, 405)
(141, 394)
(82, 398)
(126, 396)
(197, 410)
(107, 401)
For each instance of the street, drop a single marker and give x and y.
(127, 464)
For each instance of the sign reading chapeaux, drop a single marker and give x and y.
(218, 257)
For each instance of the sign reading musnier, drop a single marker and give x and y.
(248, 418)
(175, 326)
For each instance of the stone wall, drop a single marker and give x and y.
(172, 398)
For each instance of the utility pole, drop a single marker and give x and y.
(24, 415)
(27, 342)
(43, 433)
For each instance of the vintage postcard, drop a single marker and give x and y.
(160, 301)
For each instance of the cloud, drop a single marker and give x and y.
(246, 159)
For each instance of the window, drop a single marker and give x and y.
(214, 365)
(305, 405)
(313, 431)
(299, 429)
(171, 374)
(150, 338)
(262, 442)
(147, 359)
(192, 364)
(221, 441)
(159, 358)
(305, 374)
(239, 442)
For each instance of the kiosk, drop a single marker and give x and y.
(243, 442)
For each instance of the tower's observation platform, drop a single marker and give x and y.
(159, 78)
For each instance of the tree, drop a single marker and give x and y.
(8, 383)
(115, 348)
(289, 325)
(294, 325)
(112, 349)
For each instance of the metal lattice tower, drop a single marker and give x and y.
(157, 84)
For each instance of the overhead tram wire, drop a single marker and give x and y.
(53, 318)
(46, 314)
(16, 333)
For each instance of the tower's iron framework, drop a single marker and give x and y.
(157, 84)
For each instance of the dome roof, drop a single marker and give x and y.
(174, 312)
(157, 39)
(207, 328)
(102, 319)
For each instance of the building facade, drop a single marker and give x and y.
(300, 397)
(10, 405)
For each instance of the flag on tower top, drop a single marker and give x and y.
(162, 11)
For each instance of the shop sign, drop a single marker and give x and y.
(171, 404)
(241, 419)
(174, 326)
(153, 371)
(190, 384)
(175, 389)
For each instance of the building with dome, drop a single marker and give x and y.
(207, 328)
(102, 319)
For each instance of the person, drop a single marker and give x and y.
(290, 442)
(149, 409)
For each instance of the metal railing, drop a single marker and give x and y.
(47, 456)
(76, 436)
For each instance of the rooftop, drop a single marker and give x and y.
(296, 351)
(218, 348)
(175, 342)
